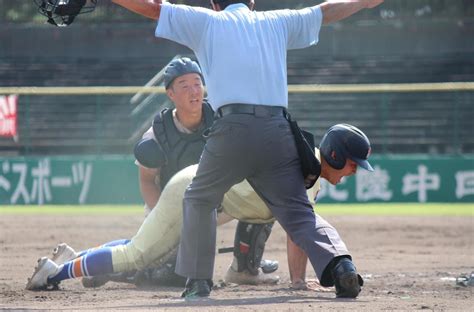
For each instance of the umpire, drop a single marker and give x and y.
(243, 56)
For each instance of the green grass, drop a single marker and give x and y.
(381, 209)
(72, 209)
(387, 209)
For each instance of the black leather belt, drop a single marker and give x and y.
(249, 109)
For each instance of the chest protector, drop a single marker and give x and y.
(181, 149)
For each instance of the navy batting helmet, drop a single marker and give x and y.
(180, 67)
(344, 141)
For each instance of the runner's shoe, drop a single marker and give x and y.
(39, 280)
(63, 253)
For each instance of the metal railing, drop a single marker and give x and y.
(101, 120)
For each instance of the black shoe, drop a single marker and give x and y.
(346, 279)
(196, 288)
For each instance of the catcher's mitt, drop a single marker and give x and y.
(63, 12)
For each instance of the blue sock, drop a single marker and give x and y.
(109, 244)
(97, 262)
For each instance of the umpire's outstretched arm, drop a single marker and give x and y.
(337, 10)
(333, 11)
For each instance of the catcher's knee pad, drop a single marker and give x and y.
(249, 245)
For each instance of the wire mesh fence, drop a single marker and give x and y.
(434, 118)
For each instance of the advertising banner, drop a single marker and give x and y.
(78, 180)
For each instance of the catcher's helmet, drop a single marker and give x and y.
(179, 67)
(344, 141)
(63, 12)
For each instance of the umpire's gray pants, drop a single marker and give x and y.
(262, 150)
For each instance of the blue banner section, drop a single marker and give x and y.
(114, 180)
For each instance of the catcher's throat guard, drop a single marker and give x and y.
(63, 12)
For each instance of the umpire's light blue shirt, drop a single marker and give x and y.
(242, 53)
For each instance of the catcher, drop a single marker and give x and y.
(341, 151)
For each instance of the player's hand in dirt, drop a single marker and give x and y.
(312, 285)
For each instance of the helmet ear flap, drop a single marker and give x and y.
(338, 158)
(332, 148)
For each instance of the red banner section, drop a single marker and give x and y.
(8, 121)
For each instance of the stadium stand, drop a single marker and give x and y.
(420, 122)
(436, 123)
(433, 123)
(381, 69)
(93, 71)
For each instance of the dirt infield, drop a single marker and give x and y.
(409, 263)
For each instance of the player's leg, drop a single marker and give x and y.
(117, 242)
(66, 263)
(48, 273)
(158, 235)
(64, 253)
(151, 257)
(93, 262)
(155, 244)
(162, 271)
